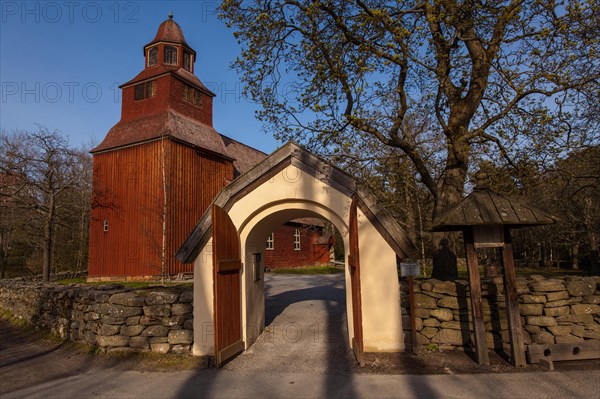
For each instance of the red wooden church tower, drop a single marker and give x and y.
(159, 167)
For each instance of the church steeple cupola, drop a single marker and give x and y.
(167, 83)
(169, 47)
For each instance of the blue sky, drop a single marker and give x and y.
(61, 63)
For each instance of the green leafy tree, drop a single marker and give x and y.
(444, 82)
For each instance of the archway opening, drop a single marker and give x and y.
(303, 317)
(290, 184)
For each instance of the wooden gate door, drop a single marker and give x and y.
(354, 263)
(227, 264)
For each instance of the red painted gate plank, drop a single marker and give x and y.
(354, 264)
(227, 290)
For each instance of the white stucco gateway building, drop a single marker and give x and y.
(225, 248)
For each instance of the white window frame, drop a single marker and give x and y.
(270, 242)
(297, 245)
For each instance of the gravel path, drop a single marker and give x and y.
(306, 327)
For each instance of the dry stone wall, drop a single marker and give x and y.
(112, 317)
(553, 311)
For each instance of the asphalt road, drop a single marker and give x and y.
(302, 355)
(239, 384)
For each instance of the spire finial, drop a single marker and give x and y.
(170, 14)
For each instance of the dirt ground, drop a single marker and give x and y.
(455, 362)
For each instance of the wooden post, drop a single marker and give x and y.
(413, 327)
(517, 349)
(481, 351)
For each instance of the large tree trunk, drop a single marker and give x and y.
(48, 240)
(3, 262)
(575, 257)
(594, 261)
(453, 182)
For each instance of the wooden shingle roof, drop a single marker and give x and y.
(169, 31)
(245, 157)
(165, 124)
(179, 73)
(185, 130)
(487, 207)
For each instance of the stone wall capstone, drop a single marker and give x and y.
(112, 317)
(553, 311)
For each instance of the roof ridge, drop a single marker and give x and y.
(244, 144)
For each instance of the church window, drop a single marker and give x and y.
(192, 95)
(187, 61)
(270, 242)
(153, 56)
(170, 55)
(297, 240)
(145, 90)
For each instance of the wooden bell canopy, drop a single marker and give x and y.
(485, 207)
(485, 217)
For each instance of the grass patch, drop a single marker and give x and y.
(7, 315)
(28, 330)
(68, 281)
(520, 271)
(309, 270)
(145, 362)
(524, 272)
(129, 284)
(548, 272)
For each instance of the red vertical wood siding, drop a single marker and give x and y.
(195, 181)
(128, 192)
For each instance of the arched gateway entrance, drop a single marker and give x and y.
(292, 183)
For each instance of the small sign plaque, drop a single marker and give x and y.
(488, 236)
(409, 269)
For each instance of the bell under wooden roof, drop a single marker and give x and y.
(487, 207)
